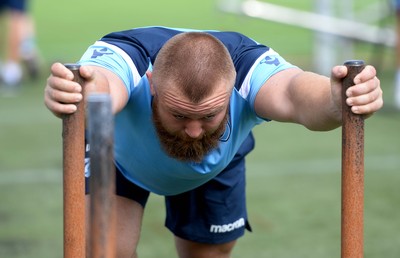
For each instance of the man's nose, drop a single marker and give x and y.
(194, 129)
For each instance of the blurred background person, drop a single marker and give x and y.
(17, 38)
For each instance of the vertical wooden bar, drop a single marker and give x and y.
(102, 177)
(73, 177)
(352, 228)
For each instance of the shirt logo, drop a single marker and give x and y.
(270, 60)
(101, 52)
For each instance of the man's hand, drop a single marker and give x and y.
(365, 97)
(62, 94)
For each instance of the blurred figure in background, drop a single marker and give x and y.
(18, 43)
(396, 4)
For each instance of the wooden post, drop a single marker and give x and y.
(352, 229)
(73, 133)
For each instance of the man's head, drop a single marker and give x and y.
(192, 80)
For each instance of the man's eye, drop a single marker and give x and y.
(179, 117)
(209, 117)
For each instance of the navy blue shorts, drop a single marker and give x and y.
(16, 5)
(213, 213)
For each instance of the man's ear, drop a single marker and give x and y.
(149, 77)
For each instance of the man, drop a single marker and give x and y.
(19, 41)
(185, 103)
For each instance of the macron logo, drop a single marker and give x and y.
(227, 227)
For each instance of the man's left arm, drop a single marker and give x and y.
(313, 100)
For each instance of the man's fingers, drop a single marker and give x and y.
(59, 70)
(364, 88)
(366, 103)
(95, 81)
(338, 73)
(62, 84)
(368, 109)
(366, 74)
(63, 96)
(365, 97)
(59, 108)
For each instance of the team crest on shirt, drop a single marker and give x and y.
(270, 60)
(101, 52)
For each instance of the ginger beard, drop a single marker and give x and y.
(182, 147)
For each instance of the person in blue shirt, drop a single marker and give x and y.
(185, 102)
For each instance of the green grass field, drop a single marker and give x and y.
(293, 175)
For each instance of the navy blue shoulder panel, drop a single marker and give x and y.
(244, 52)
(143, 45)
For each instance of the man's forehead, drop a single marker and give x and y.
(213, 103)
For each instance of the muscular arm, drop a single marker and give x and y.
(102, 80)
(313, 100)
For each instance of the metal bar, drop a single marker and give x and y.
(317, 22)
(73, 177)
(102, 176)
(352, 228)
